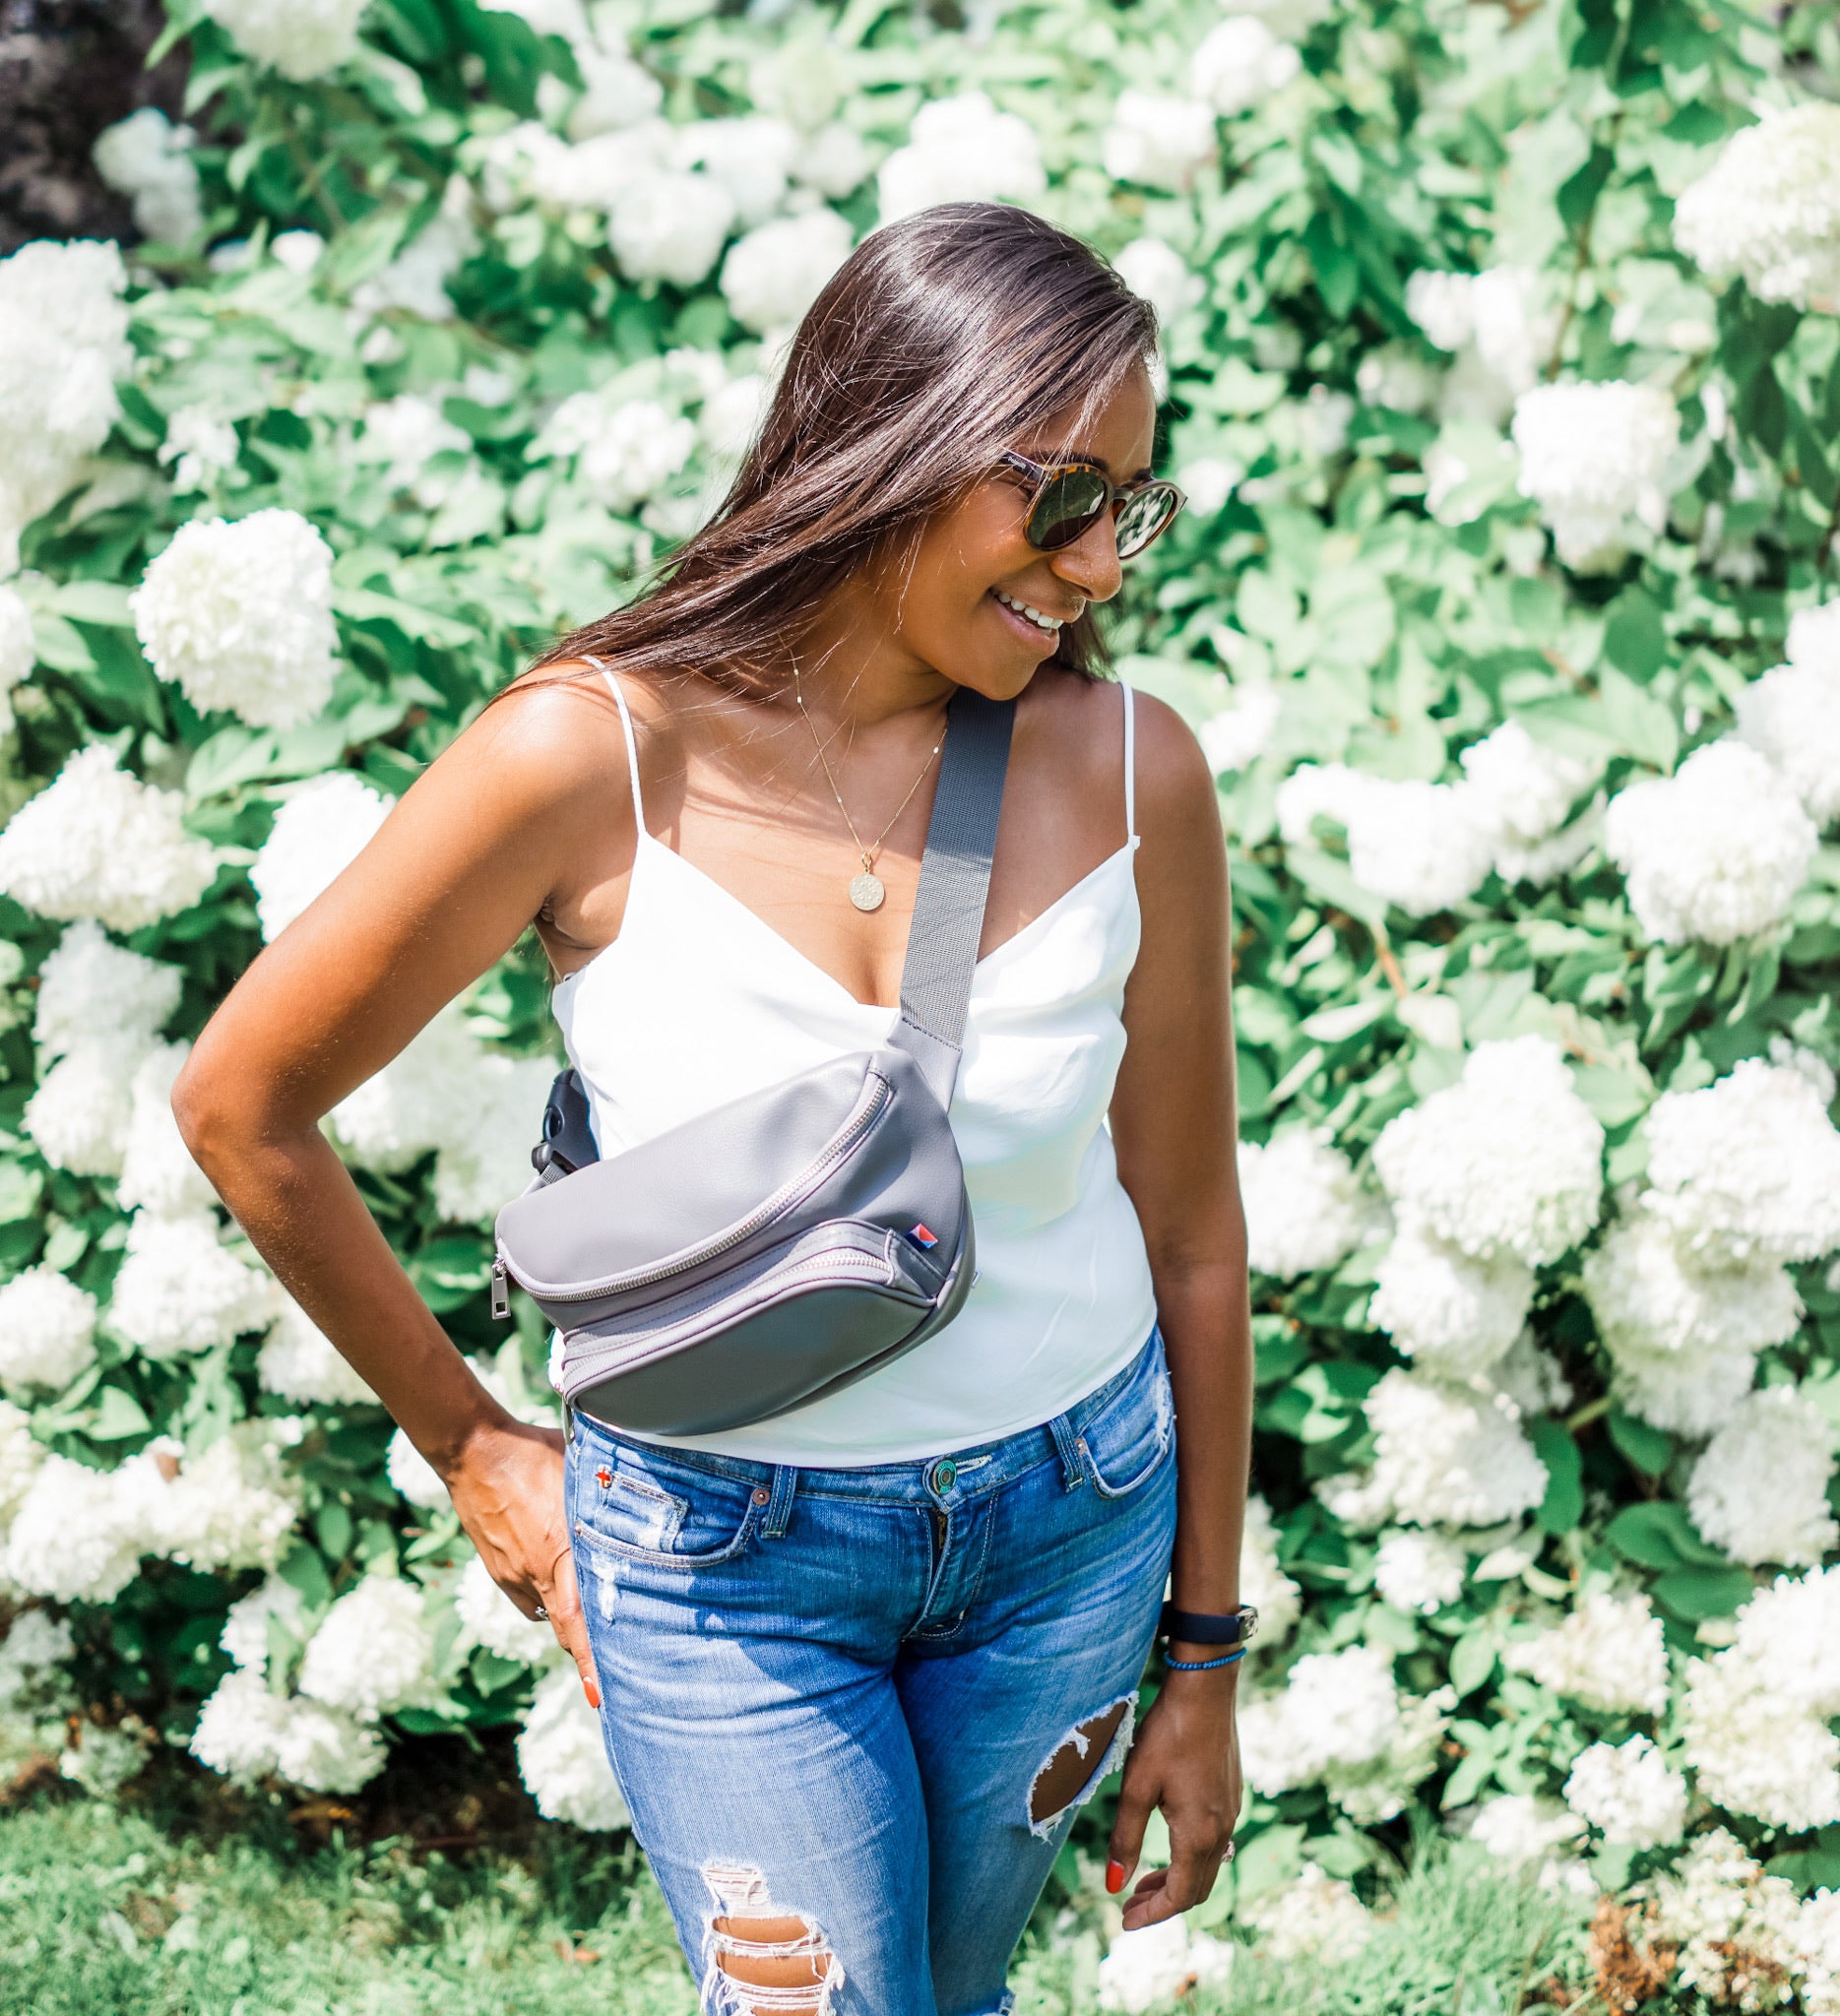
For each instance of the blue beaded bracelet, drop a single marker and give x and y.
(1203, 1666)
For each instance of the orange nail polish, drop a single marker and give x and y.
(1115, 1878)
(593, 1692)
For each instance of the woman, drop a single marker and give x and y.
(857, 1665)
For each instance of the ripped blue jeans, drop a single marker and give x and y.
(828, 1694)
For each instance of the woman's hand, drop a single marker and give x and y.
(1185, 1759)
(507, 1487)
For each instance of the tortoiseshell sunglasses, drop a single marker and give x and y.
(1072, 497)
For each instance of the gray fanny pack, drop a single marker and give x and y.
(787, 1243)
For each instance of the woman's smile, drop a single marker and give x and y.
(1035, 625)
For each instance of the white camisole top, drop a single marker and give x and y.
(699, 1000)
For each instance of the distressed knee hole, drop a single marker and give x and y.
(1084, 1760)
(759, 1960)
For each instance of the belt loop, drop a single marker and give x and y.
(568, 1421)
(780, 1504)
(1072, 1470)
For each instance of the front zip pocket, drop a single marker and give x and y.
(788, 1197)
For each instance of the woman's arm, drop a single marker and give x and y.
(450, 882)
(1173, 1126)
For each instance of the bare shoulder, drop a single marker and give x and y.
(549, 742)
(1175, 781)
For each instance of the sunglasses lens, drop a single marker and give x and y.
(1143, 516)
(1068, 504)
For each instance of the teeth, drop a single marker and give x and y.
(1034, 615)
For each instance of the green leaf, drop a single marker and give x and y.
(1660, 1536)
(1693, 1594)
(118, 1416)
(1649, 1449)
(1564, 1504)
(20, 1190)
(1634, 637)
(1579, 194)
(1472, 1659)
(332, 1527)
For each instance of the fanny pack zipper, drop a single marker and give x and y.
(780, 1201)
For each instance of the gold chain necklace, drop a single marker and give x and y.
(865, 890)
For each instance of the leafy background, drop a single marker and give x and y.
(1361, 580)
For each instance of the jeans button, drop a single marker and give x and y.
(944, 1475)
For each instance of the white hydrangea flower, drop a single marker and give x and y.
(76, 1537)
(299, 1362)
(239, 615)
(181, 1289)
(301, 38)
(1453, 1313)
(482, 1169)
(1262, 1582)
(1157, 140)
(1609, 1652)
(156, 1168)
(1208, 481)
(1494, 326)
(1445, 1456)
(1734, 1926)
(1630, 1793)
(1594, 457)
(1753, 1746)
(1318, 1918)
(246, 1633)
(373, 1652)
(1746, 1169)
(1817, 1941)
(405, 433)
(222, 1508)
(1239, 63)
(1769, 206)
(147, 158)
(752, 157)
(564, 18)
(624, 452)
(961, 150)
(317, 833)
(1239, 735)
(617, 92)
(731, 415)
(1143, 1969)
(488, 1618)
(35, 1645)
(408, 1107)
(1791, 717)
(1715, 852)
(1153, 269)
(1521, 1829)
(19, 651)
(1424, 847)
(1525, 791)
(771, 277)
(1759, 1489)
(1814, 638)
(834, 160)
(1393, 376)
(248, 1734)
(1303, 1205)
(416, 281)
(93, 990)
(1508, 1161)
(99, 842)
(563, 1760)
(671, 227)
(1340, 1721)
(414, 1475)
(80, 1112)
(63, 343)
(20, 1460)
(1530, 1378)
(48, 1330)
(1419, 1571)
(199, 446)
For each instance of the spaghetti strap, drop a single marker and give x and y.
(1131, 764)
(632, 747)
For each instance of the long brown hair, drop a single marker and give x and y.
(942, 339)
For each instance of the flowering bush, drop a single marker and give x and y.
(1501, 367)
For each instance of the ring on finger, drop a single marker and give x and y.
(539, 1615)
(1232, 1848)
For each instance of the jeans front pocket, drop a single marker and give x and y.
(1133, 1434)
(644, 1505)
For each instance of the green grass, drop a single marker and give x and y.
(223, 1912)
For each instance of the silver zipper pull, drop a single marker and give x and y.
(501, 1290)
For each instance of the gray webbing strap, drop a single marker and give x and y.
(955, 879)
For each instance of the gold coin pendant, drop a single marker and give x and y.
(867, 891)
